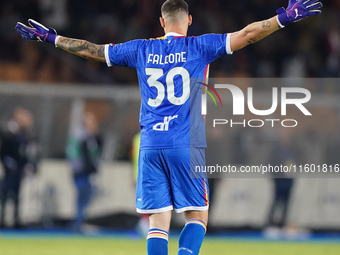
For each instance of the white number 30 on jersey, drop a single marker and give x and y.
(156, 73)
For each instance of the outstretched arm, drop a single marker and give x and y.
(38, 32)
(296, 10)
(82, 48)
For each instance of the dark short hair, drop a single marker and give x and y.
(172, 7)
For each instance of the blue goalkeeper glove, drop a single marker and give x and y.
(36, 32)
(297, 10)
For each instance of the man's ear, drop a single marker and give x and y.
(189, 20)
(161, 20)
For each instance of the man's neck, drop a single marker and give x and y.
(173, 34)
(177, 31)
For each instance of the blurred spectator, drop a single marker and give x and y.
(281, 155)
(16, 159)
(216, 156)
(54, 13)
(135, 155)
(143, 223)
(83, 152)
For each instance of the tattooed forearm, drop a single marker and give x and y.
(253, 33)
(266, 24)
(82, 48)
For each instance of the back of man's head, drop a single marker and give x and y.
(174, 10)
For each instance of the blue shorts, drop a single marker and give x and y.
(164, 181)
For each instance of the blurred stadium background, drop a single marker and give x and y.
(57, 88)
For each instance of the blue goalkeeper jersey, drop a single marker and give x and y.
(169, 70)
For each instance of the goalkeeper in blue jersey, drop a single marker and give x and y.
(172, 128)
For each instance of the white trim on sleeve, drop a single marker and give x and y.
(228, 49)
(107, 58)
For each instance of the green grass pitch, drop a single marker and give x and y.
(93, 246)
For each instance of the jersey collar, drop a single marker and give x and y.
(173, 34)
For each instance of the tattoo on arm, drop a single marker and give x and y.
(78, 47)
(266, 24)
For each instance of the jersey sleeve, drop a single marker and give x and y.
(213, 46)
(123, 54)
